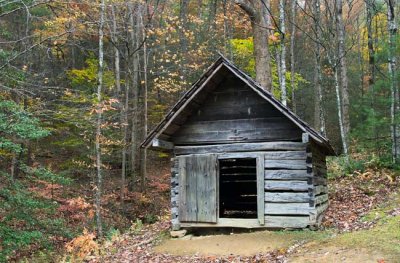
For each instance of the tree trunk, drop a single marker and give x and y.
(98, 123)
(292, 58)
(135, 155)
(182, 38)
(340, 117)
(227, 34)
(370, 8)
(343, 69)
(283, 52)
(395, 129)
(120, 96)
(257, 10)
(319, 116)
(13, 168)
(143, 164)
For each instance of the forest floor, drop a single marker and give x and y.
(362, 224)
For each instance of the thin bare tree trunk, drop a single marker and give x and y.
(283, 52)
(135, 155)
(183, 11)
(395, 127)
(227, 35)
(319, 116)
(120, 98)
(344, 86)
(13, 168)
(292, 58)
(145, 95)
(98, 123)
(257, 10)
(370, 7)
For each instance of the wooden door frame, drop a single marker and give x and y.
(260, 186)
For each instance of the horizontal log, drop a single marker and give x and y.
(317, 180)
(227, 222)
(320, 209)
(175, 190)
(287, 197)
(175, 210)
(317, 172)
(243, 124)
(174, 181)
(286, 174)
(261, 134)
(318, 158)
(321, 166)
(174, 198)
(286, 164)
(271, 185)
(161, 144)
(319, 189)
(321, 199)
(287, 221)
(240, 147)
(286, 155)
(287, 208)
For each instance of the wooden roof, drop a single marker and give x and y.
(210, 79)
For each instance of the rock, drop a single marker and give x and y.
(187, 237)
(178, 233)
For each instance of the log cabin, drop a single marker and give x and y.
(240, 157)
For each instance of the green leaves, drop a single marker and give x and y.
(16, 126)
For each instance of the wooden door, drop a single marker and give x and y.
(198, 188)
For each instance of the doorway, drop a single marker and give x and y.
(238, 188)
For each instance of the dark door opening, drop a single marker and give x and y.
(238, 188)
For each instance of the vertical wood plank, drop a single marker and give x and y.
(206, 188)
(191, 188)
(260, 189)
(182, 188)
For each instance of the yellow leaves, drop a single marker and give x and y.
(83, 245)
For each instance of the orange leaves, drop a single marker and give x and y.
(77, 209)
(83, 245)
(274, 38)
(105, 105)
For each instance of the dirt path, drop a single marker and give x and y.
(295, 246)
(223, 245)
(311, 254)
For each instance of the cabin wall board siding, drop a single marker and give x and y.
(295, 191)
(319, 175)
(230, 113)
(288, 189)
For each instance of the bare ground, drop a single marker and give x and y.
(245, 244)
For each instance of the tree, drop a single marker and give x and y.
(293, 11)
(258, 12)
(371, 9)
(282, 63)
(395, 99)
(319, 116)
(344, 82)
(99, 110)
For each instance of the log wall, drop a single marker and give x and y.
(230, 113)
(295, 184)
